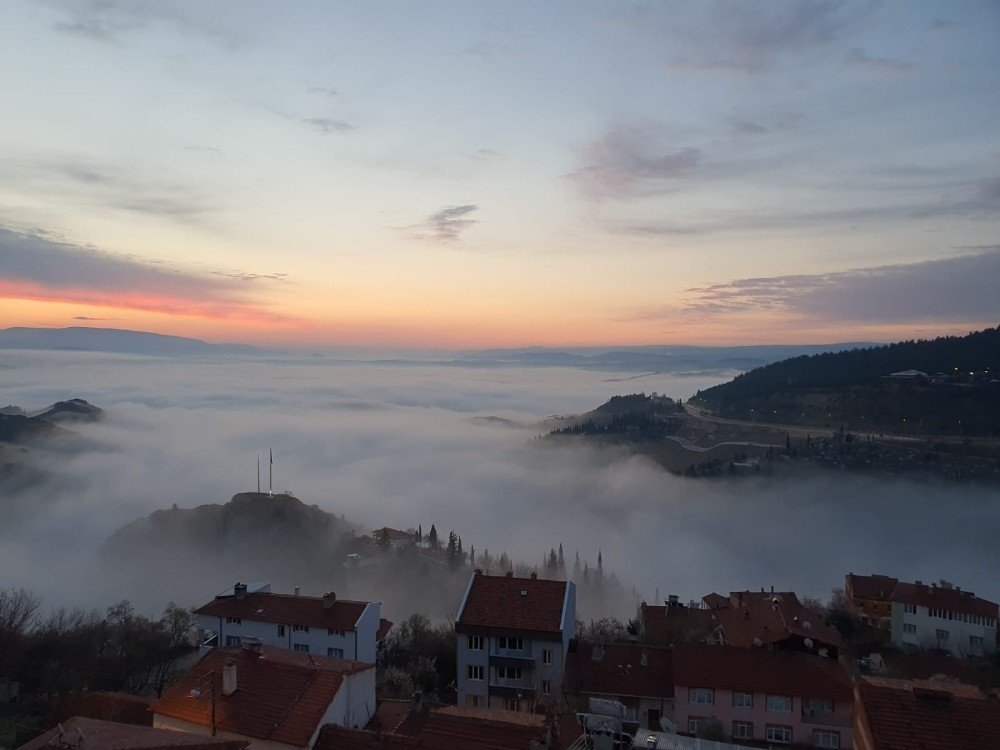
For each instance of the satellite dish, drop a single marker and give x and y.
(808, 643)
(758, 642)
(806, 625)
(667, 726)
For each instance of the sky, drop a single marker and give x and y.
(451, 174)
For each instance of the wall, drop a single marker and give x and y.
(927, 627)
(840, 720)
(317, 639)
(366, 634)
(177, 725)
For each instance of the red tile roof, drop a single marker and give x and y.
(753, 615)
(906, 715)
(874, 587)
(280, 696)
(109, 706)
(384, 626)
(922, 666)
(758, 670)
(620, 671)
(445, 729)
(287, 609)
(93, 734)
(505, 603)
(943, 598)
(394, 534)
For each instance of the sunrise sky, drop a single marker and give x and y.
(501, 173)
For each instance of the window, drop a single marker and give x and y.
(281, 630)
(512, 704)
(702, 695)
(474, 701)
(780, 703)
(511, 644)
(331, 631)
(335, 653)
(475, 672)
(475, 643)
(820, 705)
(300, 628)
(304, 647)
(653, 719)
(546, 656)
(776, 733)
(742, 700)
(509, 673)
(826, 738)
(742, 730)
(975, 641)
(696, 724)
(910, 609)
(942, 635)
(233, 640)
(234, 621)
(909, 627)
(546, 687)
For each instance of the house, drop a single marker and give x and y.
(908, 375)
(939, 616)
(774, 620)
(675, 622)
(640, 678)
(923, 715)
(326, 625)
(448, 728)
(868, 597)
(778, 697)
(393, 537)
(272, 697)
(513, 637)
(81, 733)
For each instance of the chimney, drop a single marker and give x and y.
(534, 576)
(772, 589)
(329, 599)
(598, 653)
(510, 573)
(479, 571)
(417, 702)
(240, 590)
(644, 660)
(229, 678)
(298, 590)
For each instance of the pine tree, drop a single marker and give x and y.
(432, 538)
(420, 533)
(504, 563)
(576, 567)
(562, 562)
(552, 564)
(452, 545)
(472, 555)
(461, 555)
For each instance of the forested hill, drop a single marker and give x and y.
(850, 387)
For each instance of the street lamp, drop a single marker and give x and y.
(198, 695)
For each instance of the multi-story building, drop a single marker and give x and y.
(513, 637)
(763, 696)
(325, 626)
(944, 617)
(772, 619)
(938, 617)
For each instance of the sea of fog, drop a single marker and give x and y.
(401, 444)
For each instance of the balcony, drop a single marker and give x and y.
(512, 659)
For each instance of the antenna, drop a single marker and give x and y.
(258, 472)
(270, 473)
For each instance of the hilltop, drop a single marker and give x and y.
(944, 386)
(117, 340)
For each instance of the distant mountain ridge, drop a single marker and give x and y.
(115, 340)
(953, 388)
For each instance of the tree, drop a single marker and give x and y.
(561, 568)
(552, 563)
(420, 533)
(432, 538)
(472, 555)
(576, 567)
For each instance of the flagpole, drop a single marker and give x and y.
(270, 473)
(258, 472)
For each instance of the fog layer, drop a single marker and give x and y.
(400, 445)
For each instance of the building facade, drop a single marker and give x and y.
(513, 638)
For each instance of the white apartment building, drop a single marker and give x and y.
(324, 626)
(942, 616)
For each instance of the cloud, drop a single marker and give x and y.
(959, 289)
(33, 267)
(629, 160)
(485, 154)
(109, 21)
(447, 224)
(859, 58)
(85, 317)
(188, 433)
(748, 38)
(324, 91)
(111, 186)
(327, 125)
